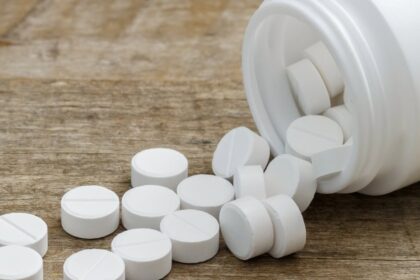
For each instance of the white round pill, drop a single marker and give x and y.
(94, 264)
(90, 212)
(249, 181)
(207, 193)
(145, 206)
(330, 163)
(342, 116)
(246, 227)
(289, 226)
(239, 147)
(319, 55)
(291, 176)
(24, 230)
(20, 263)
(194, 235)
(312, 134)
(158, 166)
(308, 87)
(147, 253)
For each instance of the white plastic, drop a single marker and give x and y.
(145, 206)
(25, 230)
(194, 235)
(94, 264)
(378, 55)
(20, 263)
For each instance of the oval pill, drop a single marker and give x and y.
(158, 166)
(145, 206)
(239, 147)
(194, 235)
(147, 253)
(94, 264)
(342, 116)
(25, 230)
(207, 193)
(90, 212)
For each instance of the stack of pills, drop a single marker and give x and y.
(256, 204)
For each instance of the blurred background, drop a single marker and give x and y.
(84, 85)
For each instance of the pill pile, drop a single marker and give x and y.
(168, 216)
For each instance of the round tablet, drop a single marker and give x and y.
(246, 228)
(207, 193)
(289, 227)
(329, 163)
(249, 181)
(239, 147)
(319, 55)
(291, 176)
(312, 134)
(342, 116)
(94, 264)
(158, 166)
(308, 87)
(194, 235)
(147, 253)
(145, 206)
(90, 212)
(20, 263)
(24, 230)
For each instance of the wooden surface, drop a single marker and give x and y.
(86, 84)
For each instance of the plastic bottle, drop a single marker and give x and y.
(376, 44)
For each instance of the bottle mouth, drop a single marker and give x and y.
(276, 37)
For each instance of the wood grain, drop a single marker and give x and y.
(86, 84)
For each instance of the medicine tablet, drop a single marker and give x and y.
(342, 116)
(239, 147)
(90, 212)
(207, 193)
(94, 264)
(289, 227)
(194, 235)
(330, 162)
(145, 206)
(249, 181)
(291, 176)
(246, 227)
(147, 253)
(325, 63)
(20, 263)
(312, 134)
(308, 87)
(24, 230)
(158, 166)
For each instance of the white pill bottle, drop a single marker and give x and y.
(376, 45)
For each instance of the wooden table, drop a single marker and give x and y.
(86, 84)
